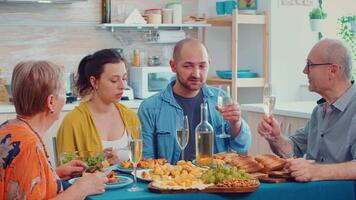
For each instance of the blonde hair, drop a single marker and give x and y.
(32, 82)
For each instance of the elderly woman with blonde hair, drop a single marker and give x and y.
(26, 172)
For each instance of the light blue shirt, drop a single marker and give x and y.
(330, 135)
(158, 120)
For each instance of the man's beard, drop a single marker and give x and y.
(187, 86)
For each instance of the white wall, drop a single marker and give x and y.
(291, 40)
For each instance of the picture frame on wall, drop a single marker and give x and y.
(247, 6)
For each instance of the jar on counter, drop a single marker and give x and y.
(177, 12)
(167, 16)
(136, 58)
(154, 16)
(150, 61)
(153, 61)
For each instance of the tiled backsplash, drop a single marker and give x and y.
(64, 33)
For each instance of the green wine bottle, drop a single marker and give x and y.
(105, 11)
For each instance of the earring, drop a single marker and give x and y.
(51, 111)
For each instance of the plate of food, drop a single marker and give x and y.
(143, 174)
(127, 166)
(115, 181)
(215, 162)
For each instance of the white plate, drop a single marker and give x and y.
(124, 180)
(139, 174)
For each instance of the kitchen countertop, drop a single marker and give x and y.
(300, 109)
(133, 104)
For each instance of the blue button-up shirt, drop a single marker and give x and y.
(158, 120)
(330, 134)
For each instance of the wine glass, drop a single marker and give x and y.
(182, 133)
(223, 100)
(135, 155)
(269, 101)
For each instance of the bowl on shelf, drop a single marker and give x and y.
(242, 73)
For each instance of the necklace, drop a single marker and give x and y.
(38, 136)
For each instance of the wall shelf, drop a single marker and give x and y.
(241, 82)
(136, 27)
(232, 22)
(241, 19)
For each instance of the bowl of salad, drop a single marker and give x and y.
(91, 158)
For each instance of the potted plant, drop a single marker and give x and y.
(352, 20)
(348, 35)
(316, 16)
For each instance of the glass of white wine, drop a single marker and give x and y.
(269, 101)
(182, 133)
(135, 154)
(223, 100)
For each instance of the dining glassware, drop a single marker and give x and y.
(222, 101)
(269, 101)
(182, 133)
(135, 146)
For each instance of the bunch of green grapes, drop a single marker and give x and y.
(220, 173)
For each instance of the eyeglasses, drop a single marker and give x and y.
(309, 64)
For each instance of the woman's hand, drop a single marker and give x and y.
(111, 156)
(90, 184)
(70, 169)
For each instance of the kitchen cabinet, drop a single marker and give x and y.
(233, 22)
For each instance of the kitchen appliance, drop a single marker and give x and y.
(147, 81)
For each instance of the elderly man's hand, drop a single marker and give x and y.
(269, 127)
(303, 170)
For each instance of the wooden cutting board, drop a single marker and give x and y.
(212, 189)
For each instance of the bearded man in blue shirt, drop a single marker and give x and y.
(183, 96)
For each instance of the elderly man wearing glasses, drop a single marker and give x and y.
(328, 141)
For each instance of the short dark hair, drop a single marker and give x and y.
(93, 65)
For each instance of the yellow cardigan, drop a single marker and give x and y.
(78, 132)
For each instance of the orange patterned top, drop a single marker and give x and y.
(25, 172)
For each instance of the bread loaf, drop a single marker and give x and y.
(271, 162)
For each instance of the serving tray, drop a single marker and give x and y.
(211, 189)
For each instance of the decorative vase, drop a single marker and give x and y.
(316, 25)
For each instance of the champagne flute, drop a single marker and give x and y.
(269, 101)
(135, 155)
(182, 133)
(223, 100)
